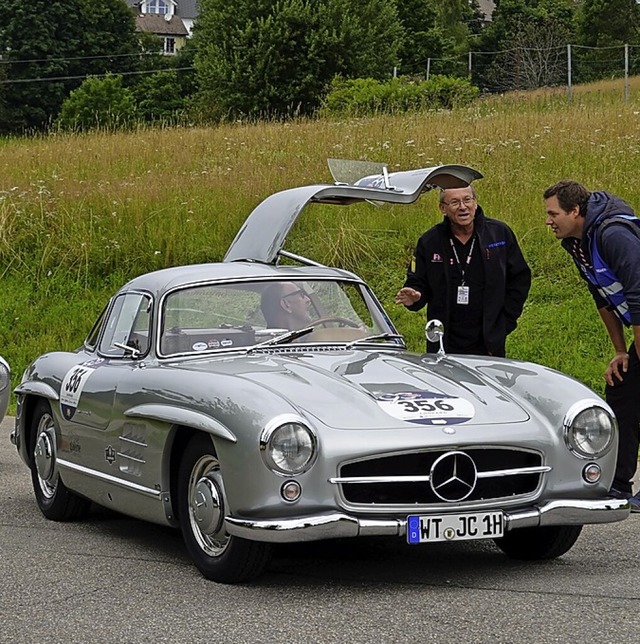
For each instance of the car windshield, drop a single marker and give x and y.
(213, 317)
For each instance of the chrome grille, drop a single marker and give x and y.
(405, 478)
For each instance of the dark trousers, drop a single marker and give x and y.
(624, 398)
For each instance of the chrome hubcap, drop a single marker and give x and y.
(44, 457)
(207, 510)
(207, 506)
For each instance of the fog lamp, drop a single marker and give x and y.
(591, 473)
(291, 491)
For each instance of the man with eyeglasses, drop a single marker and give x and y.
(602, 234)
(470, 273)
(285, 305)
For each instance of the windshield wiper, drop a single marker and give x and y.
(281, 339)
(379, 336)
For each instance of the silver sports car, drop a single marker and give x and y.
(269, 398)
(5, 386)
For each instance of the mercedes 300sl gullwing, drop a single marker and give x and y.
(258, 401)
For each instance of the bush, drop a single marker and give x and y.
(159, 97)
(98, 103)
(366, 96)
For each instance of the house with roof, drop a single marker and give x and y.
(487, 7)
(170, 20)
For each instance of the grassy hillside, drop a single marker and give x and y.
(79, 215)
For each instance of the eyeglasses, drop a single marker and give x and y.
(456, 203)
(299, 293)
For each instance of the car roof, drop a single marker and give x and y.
(262, 236)
(167, 279)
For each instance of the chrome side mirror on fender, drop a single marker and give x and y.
(435, 332)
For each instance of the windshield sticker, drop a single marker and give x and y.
(425, 408)
(73, 384)
(200, 346)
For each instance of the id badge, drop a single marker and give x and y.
(463, 295)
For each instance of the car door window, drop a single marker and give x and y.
(129, 323)
(92, 339)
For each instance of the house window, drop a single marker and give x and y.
(157, 6)
(169, 45)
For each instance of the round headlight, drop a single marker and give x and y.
(288, 446)
(589, 429)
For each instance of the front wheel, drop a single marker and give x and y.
(534, 544)
(55, 501)
(202, 505)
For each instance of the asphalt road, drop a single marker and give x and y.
(114, 579)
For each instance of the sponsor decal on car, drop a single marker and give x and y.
(73, 383)
(426, 408)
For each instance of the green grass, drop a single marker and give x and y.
(81, 214)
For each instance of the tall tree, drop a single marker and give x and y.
(529, 39)
(276, 57)
(609, 22)
(604, 27)
(50, 47)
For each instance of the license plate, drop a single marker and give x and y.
(455, 527)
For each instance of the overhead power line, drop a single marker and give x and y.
(26, 61)
(85, 76)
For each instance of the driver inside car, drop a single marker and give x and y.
(285, 305)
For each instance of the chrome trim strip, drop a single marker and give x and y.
(542, 469)
(380, 479)
(132, 458)
(132, 441)
(334, 525)
(538, 469)
(134, 487)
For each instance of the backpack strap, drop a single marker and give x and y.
(630, 221)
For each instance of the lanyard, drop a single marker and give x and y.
(468, 260)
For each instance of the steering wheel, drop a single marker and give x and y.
(340, 321)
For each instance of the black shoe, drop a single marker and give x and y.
(618, 494)
(634, 502)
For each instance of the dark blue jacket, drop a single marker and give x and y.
(617, 243)
(507, 278)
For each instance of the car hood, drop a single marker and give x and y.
(364, 389)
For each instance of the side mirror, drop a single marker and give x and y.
(435, 332)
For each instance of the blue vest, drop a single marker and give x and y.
(602, 277)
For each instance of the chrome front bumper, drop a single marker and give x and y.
(335, 525)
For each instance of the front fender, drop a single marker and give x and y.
(181, 416)
(37, 388)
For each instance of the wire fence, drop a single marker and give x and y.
(518, 68)
(525, 68)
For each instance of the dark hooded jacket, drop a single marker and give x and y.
(618, 244)
(507, 278)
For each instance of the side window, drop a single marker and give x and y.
(92, 339)
(129, 323)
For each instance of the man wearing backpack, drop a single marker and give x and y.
(602, 234)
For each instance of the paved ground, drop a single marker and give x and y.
(113, 579)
